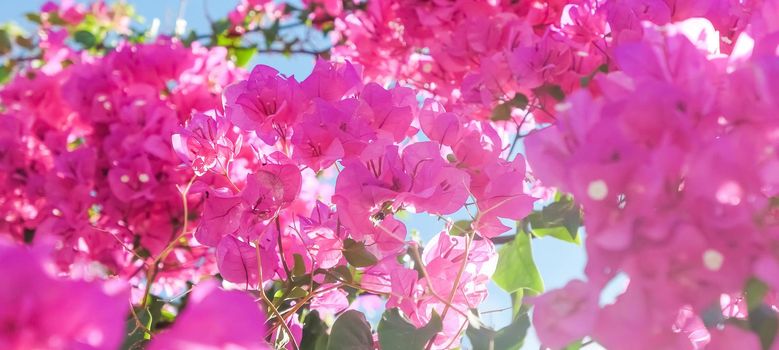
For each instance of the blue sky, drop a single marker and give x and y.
(559, 262)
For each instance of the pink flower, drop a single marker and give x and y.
(436, 186)
(322, 237)
(389, 111)
(266, 102)
(565, 315)
(272, 187)
(502, 196)
(237, 261)
(204, 143)
(332, 82)
(330, 303)
(42, 311)
(222, 215)
(216, 319)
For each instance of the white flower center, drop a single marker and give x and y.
(713, 259)
(598, 190)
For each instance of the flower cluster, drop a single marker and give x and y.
(41, 311)
(475, 55)
(266, 163)
(156, 164)
(88, 160)
(675, 164)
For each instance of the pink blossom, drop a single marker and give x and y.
(234, 321)
(565, 315)
(266, 102)
(43, 311)
(330, 302)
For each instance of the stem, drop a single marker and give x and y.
(264, 298)
(502, 239)
(302, 303)
(418, 261)
(460, 272)
(281, 253)
(151, 275)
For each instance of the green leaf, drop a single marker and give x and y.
(227, 41)
(5, 73)
(755, 291)
(560, 233)
(85, 38)
(350, 332)
(460, 228)
(242, 55)
(55, 19)
(271, 33)
(190, 38)
(314, 333)
(5, 42)
(503, 110)
(510, 337)
(516, 268)
(516, 302)
(585, 81)
(24, 42)
(336, 274)
(553, 90)
(574, 346)
(297, 293)
(299, 268)
(356, 254)
(29, 235)
(343, 273)
(220, 26)
(764, 323)
(149, 317)
(397, 333)
(33, 17)
(519, 101)
(712, 316)
(560, 220)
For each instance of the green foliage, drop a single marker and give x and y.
(755, 291)
(517, 307)
(242, 55)
(295, 292)
(397, 333)
(552, 90)
(561, 219)
(764, 323)
(315, 335)
(516, 269)
(350, 332)
(510, 337)
(299, 269)
(460, 228)
(271, 33)
(148, 317)
(586, 80)
(503, 110)
(356, 254)
(5, 73)
(220, 26)
(85, 38)
(33, 17)
(574, 346)
(5, 42)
